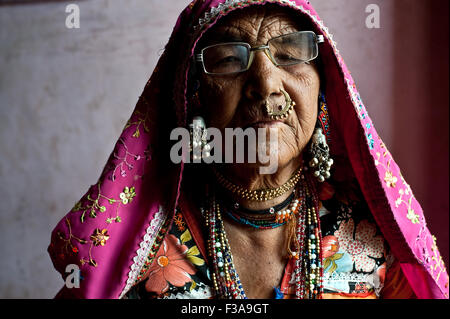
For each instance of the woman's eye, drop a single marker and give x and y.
(285, 57)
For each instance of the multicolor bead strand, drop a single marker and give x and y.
(273, 220)
(225, 278)
(318, 233)
(255, 223)
(308, 271)
(284, 215)
(211, 225)
(300, 264)
(269, 211)
(313, 284)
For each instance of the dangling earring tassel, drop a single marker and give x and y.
(320, 156)
(199, 146)
(321, 161)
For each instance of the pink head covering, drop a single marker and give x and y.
(110, 231)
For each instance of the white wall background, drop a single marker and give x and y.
(65, 95)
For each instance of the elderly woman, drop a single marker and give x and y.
(334, 219)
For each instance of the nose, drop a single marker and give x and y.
(264, 80)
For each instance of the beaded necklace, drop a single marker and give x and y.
(273, 217)
(305, 248)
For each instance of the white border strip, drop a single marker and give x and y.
(145, 246)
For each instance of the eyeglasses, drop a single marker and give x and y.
(284, 50)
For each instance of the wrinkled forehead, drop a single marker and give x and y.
(254, 25)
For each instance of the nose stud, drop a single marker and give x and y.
(280, 112)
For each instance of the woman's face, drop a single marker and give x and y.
(238, 100)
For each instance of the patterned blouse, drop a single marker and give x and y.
(355, 259)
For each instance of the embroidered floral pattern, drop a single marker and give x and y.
(94, 203)
(390, 179)
(142, 120)
(439, 266)
(411, 215)
(127, 195)
(99, 237)
(123, 161)
(68, 245)
(93, 206)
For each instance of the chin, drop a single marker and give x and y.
(282, 157)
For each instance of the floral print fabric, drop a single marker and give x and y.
(354, 250)
(354, 257)
(172, 266)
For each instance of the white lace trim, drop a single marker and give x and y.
(214, 11)
(200, 293)
(145, 246)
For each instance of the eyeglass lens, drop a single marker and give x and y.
(226, 58)
(293, 48)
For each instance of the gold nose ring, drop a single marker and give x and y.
(281, 112)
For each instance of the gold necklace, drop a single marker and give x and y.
(259, 194)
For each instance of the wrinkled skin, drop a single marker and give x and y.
(238, 101)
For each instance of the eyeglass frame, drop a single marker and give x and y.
(199, 57)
